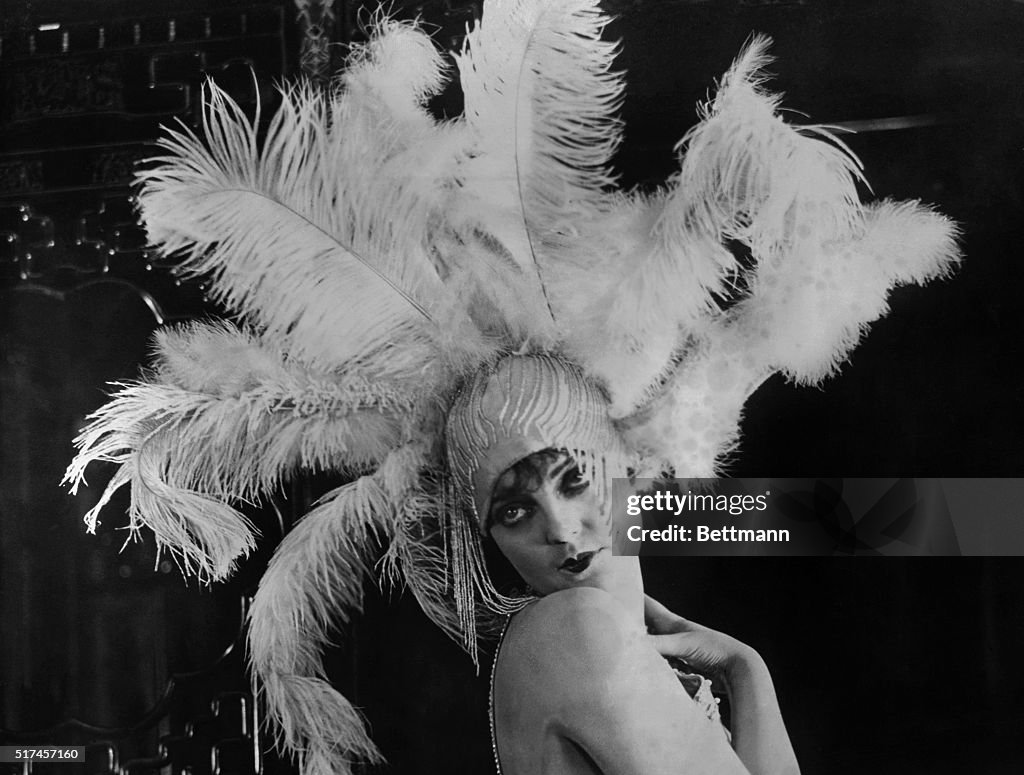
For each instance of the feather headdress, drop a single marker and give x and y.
(377, 259)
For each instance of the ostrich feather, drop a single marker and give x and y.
(222, 360)
(748, 175)
(668, 281)
(224, 418)
(204, 535)
(803, 315)
(540, 102)
(330, 736)
(392, 75)
(401, 67)
(318, 235)
(312, 586)
(807, 313)
(416, 560)
(692, 425)
(745, 175)
(911, 242)
(634, 310)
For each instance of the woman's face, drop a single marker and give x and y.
(547, 521)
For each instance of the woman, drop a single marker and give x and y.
(381, 261)
(578, 685)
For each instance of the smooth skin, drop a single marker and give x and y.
(581, 685)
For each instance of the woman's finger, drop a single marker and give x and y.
(666, 645)
(660, 620)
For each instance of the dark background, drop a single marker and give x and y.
(883, 665)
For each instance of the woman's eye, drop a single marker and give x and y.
(512, 514)
(573, 481)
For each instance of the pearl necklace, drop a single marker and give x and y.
(490, 703)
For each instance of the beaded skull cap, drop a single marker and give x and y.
(522, 405)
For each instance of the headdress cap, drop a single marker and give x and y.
(518, 406)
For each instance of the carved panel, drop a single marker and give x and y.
(318, 21)
(80, 102)
(446, 19)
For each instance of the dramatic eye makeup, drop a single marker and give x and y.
(573, 482)
(513, 502)
(511, 513)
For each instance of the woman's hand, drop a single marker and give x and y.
(709, 652)
(758, 733)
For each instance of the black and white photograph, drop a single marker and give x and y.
(511, 387)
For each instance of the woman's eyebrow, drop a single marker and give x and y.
(560, 465)
(501, 494)
(504, 491)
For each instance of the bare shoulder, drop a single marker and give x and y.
(570, 632)
(577, 665)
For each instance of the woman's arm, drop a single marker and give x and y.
(758, 733)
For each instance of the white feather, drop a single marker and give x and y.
(416, 560)
(745, 175)
(807, 313)
(692, 426)
(313, 586)
(224, 418)
(204, 535)
(318, 236)
(911, 242)
(748, 175)
(325, 731)
(629, 312)
(540, 108)
(804, 314)
(401, 67)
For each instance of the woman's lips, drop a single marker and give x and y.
(579, 563)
